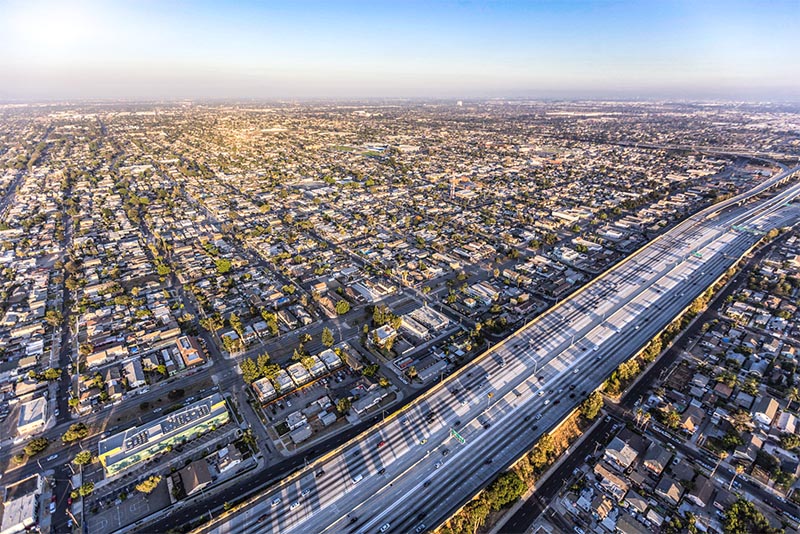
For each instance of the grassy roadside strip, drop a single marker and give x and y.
(628, 371)
(481, 513)
(489, 506)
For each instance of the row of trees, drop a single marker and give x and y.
(504, 490)
(262, 367)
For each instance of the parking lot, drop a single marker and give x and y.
(114, 514)
(336, 385)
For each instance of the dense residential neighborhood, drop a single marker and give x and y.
(195, 295)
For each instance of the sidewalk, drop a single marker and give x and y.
(498, 526)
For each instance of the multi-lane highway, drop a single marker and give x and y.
(410, 471)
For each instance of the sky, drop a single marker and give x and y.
(297, 49)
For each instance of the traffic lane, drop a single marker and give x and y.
(265, 477)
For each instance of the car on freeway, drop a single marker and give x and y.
(305, 492)
(320, 473)
(426, 484)
(423, 441)
(535, 427)
(576, 370)
(262, 518)
(538, 416)
(294, 505)
(547, 402)
(276, 501)
(420, 528)
(445, 452)
(438, 465)
(488, 461)
(384, 527)
(382, 470)
(381, 444)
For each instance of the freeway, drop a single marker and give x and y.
(410, 473)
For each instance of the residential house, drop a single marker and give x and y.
(624, 449)
(765, 410)
(701, 492)
(748, 450)
(601, 506)
(656, 458)
(691, 418)
(612, 483)
(669, 490)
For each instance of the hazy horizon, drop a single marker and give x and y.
(347, 50)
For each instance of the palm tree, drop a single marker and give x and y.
(739, 471)
(793, 395)
(639, 413)
(646, 421)
(722, 456)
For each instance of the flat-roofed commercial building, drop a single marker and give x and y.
(32, 416)
(126, 449)
(20, 509)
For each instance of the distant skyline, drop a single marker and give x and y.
(695, 49)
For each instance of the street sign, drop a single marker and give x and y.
(458, 436)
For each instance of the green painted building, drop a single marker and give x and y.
(130, 447)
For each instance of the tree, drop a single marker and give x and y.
(741, 420)
(75, 432)
(236, 324)
(343, 405)
(263, 363)
(52, 374)
(505, 489)
(591, 406)
(53, 317)
(149, 484)
(739, 471)
(308, 362)
(722, 456)
(342, 307)
(35, 446)
(223, 265)
(327, 337)
(250, 371)
(412, 372)
(272, 370)
(744, 518)
(672, 419)
(86, 489)
(790, 441)
(83, 458)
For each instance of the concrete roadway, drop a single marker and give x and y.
(523, 518)
(573, 344)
